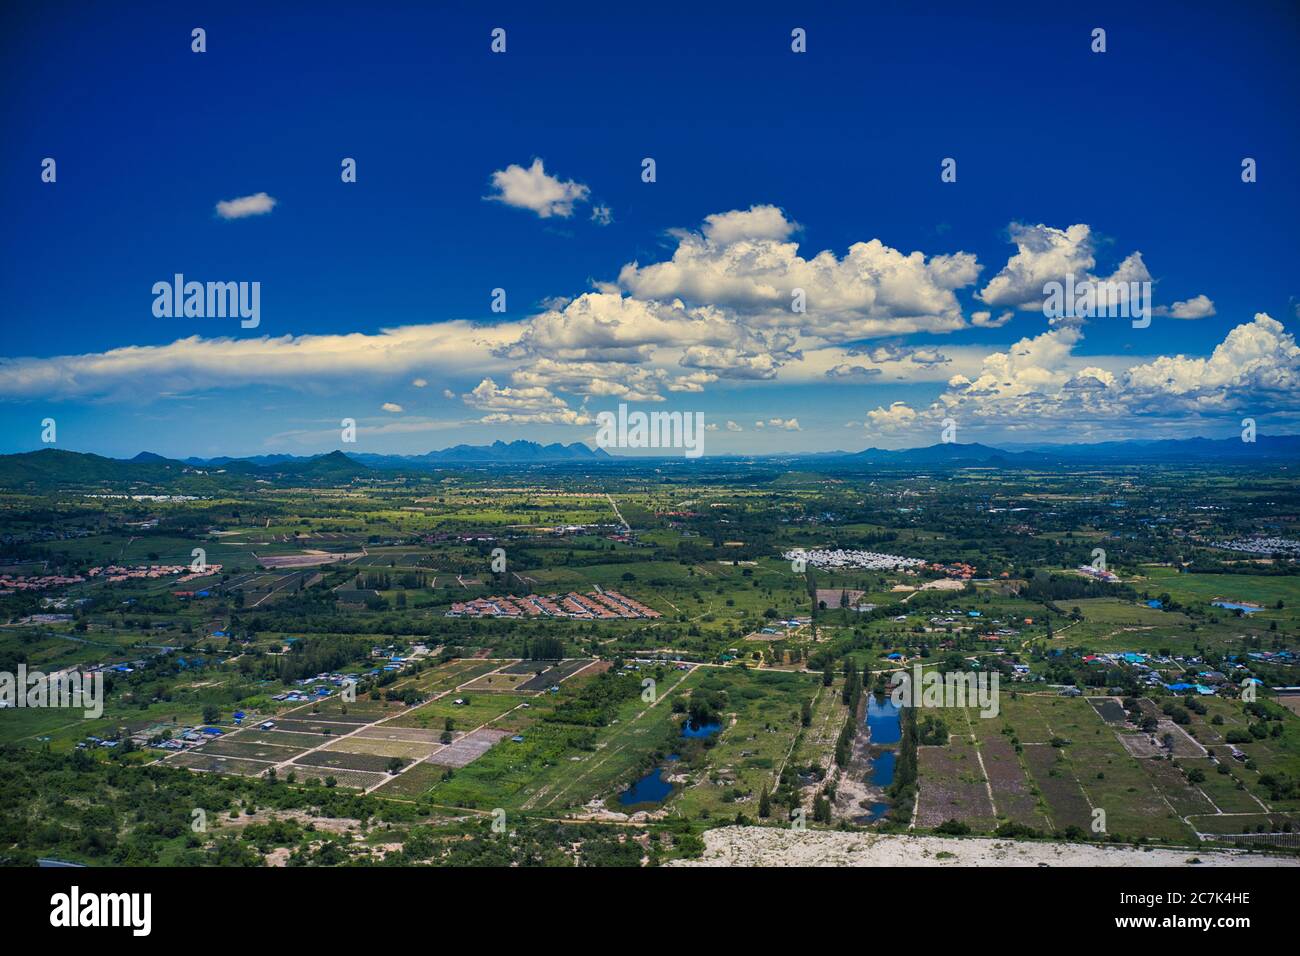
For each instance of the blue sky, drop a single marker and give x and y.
(775, 171)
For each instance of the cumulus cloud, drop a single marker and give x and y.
(618, 338)
(1039, 382)
(419, 382)
(1046, 254)
(1197, 307)
(742, 263)
(607, 326)
(985, 320)
(601, 215)
(391, 407)
(733, 427)
(694, 382)
(258, 204)
(522, 405)
(897, 415)
(731, 363)
(756, 222)
(632, 383)
(535, 189)
(784, 424)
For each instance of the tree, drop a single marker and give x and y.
(805, 714)
(210, 713)
(764, 804)
(821, 810)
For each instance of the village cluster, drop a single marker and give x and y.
(112, 573)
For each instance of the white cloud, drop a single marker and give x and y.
(1197, 307)
(391, 407)
(733, 427)
(419, 382)
(694, 382)
(742, 265)
(898, 415)
(784, 424)
(257, 204)
(305, 361)
(756, 222)
(985, 320)
(631, 383)
(730, 363)
(601, 215)
(1038, 383)
(533, 188)
(523, 405)
(1046, 254)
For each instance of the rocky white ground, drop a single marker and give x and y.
(772, 846)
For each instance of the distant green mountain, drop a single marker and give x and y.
(55, 466)
(52, 466)
(335, 466)
(499, 452)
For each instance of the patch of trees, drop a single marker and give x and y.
(1069, 587)
(596, 702)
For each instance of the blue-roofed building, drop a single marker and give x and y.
(1155, 604)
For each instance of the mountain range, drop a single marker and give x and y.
(50, 465)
